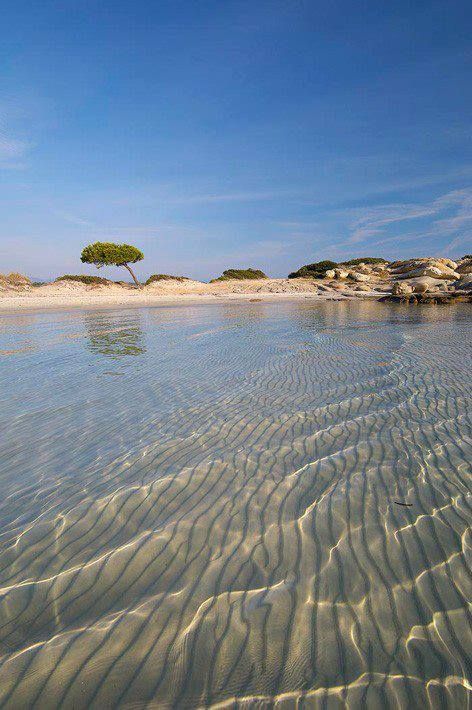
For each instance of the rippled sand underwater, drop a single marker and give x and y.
(250, 505)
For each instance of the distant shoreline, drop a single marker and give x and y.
(422, 280)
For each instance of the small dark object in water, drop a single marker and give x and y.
(254, 300)
(406, 504)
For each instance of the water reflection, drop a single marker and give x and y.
(115, 337)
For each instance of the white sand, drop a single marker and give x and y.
(68, 294)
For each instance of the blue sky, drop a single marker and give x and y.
(232, 133)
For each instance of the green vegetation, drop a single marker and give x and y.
(319, 268)
(84, 279)
(467, 256)
(240, 274)
(15, 279)
(110, 254)
(313, 271)
(365, 260)
(165, 277)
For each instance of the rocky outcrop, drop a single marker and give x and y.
(341, 274)
(359, 277)
(434, 279)
(434, 268)
(362, 287)
(409, 280)
(465, 267)
(464, 283)
(422, 284)
(401, 289)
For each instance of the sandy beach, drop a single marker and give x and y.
(66, 294)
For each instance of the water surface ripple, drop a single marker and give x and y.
(230, 506)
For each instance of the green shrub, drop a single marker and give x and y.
(165, 277)
(365, 260)
(240, 274)
(313, 271)
(84, 279)
(467, 256)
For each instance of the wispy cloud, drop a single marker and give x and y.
(12, 152)
(73, 219)
(171, 196)
(12, 149)
(373, 221)
(447, 214)
(233, 197)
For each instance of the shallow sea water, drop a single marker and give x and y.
(243, 505)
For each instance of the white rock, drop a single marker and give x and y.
(400, 288)
(448, 262)
(358, 277)
(422, 284)
(434, 272)
(436, 268)
(341, 273)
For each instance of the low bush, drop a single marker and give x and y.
(365, 260)
(15, 279)
(84, 279)
(313, 271)
(240, 274)
(165, 277)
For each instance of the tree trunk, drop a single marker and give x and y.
(132, 274)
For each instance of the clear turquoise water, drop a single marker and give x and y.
(261, 503)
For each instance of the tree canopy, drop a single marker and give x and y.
(110, 254)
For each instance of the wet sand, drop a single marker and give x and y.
(258, 507)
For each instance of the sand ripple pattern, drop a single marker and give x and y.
(267, 506)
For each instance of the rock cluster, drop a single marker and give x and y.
(414, 276)
(414, 280)
(435, 268)
(431, 280)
